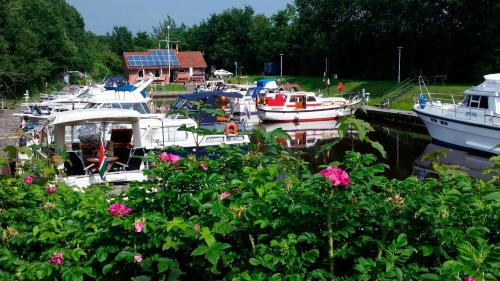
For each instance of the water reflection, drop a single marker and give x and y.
(306, 134)
(473, 163)
(404, 149)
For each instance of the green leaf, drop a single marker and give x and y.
(401, 241)
(477, 232)
(36, 230)
(101, 254)
(200, 250)
(207, 236)
(494, 196)
(427, 251)
(223, 227)
(107, 268)
(142, 278)
(429, 276)
(165, 263)
(254, 261)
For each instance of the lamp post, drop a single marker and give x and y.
(168, 51)
(281, 65)
(236, 68)
(399, 63)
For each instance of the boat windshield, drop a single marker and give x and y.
(85, 95)
(90, 105)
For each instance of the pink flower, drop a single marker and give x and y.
(57, 258)
(169, 157)
(138, 258)
(139, 225)
(469, 278)
(197, 228)
(224, 195)
(202, 166)
(336, 175)
(28, 179)
(51, 189)
(118, 210)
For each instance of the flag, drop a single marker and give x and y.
(103, 161)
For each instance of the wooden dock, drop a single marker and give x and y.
(401, 118)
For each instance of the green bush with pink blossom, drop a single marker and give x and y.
(260, 214)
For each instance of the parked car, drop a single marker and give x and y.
(222, 73)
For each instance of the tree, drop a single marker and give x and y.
(121, 40)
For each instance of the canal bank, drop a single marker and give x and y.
(402, 119)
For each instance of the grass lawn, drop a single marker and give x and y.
(174, 87)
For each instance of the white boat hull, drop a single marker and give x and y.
(111, 177)
(269, 114)
(461, 133)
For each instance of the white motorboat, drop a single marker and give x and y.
(305, 107)
(83, 158)
(155, 130)
(127, 133)
(473, 123)
(89, 97)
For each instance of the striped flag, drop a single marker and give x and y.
(103, 161)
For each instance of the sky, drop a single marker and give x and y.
(101, 15)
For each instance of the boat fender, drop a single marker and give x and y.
(422, 101)
(231, 128)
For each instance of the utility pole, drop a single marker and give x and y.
(399, 63)
(281, 65)
(236, 68)
(168, 51)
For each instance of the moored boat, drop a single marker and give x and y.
(305, 107)
(473, 123)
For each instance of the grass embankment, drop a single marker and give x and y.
(174, 87)
(379, 90)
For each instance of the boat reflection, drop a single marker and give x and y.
(473, 163)
(305, 134)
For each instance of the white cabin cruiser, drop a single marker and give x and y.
(155, 130)
(305, 107)
(90, 97)
(126, 133)
(122, 147)
(473, 123)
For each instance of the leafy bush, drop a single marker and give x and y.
(252, 215)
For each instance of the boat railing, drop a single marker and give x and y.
(457, 111)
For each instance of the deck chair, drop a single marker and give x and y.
(89, 146)
(134, 162)
(74, 165)
(121, 139)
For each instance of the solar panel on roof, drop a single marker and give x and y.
(154, 58)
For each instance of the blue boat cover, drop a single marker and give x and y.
(209, 100)
(262, 82)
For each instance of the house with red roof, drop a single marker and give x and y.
(183, 66)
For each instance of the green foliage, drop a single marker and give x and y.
(253, 215)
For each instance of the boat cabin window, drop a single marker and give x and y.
(466, 101)
(484, 102)
(84, 95)
(311, 98)
(135, 106)
(475, 101)
(90, 105)
(296, 98)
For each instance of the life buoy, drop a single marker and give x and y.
(231, 128)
